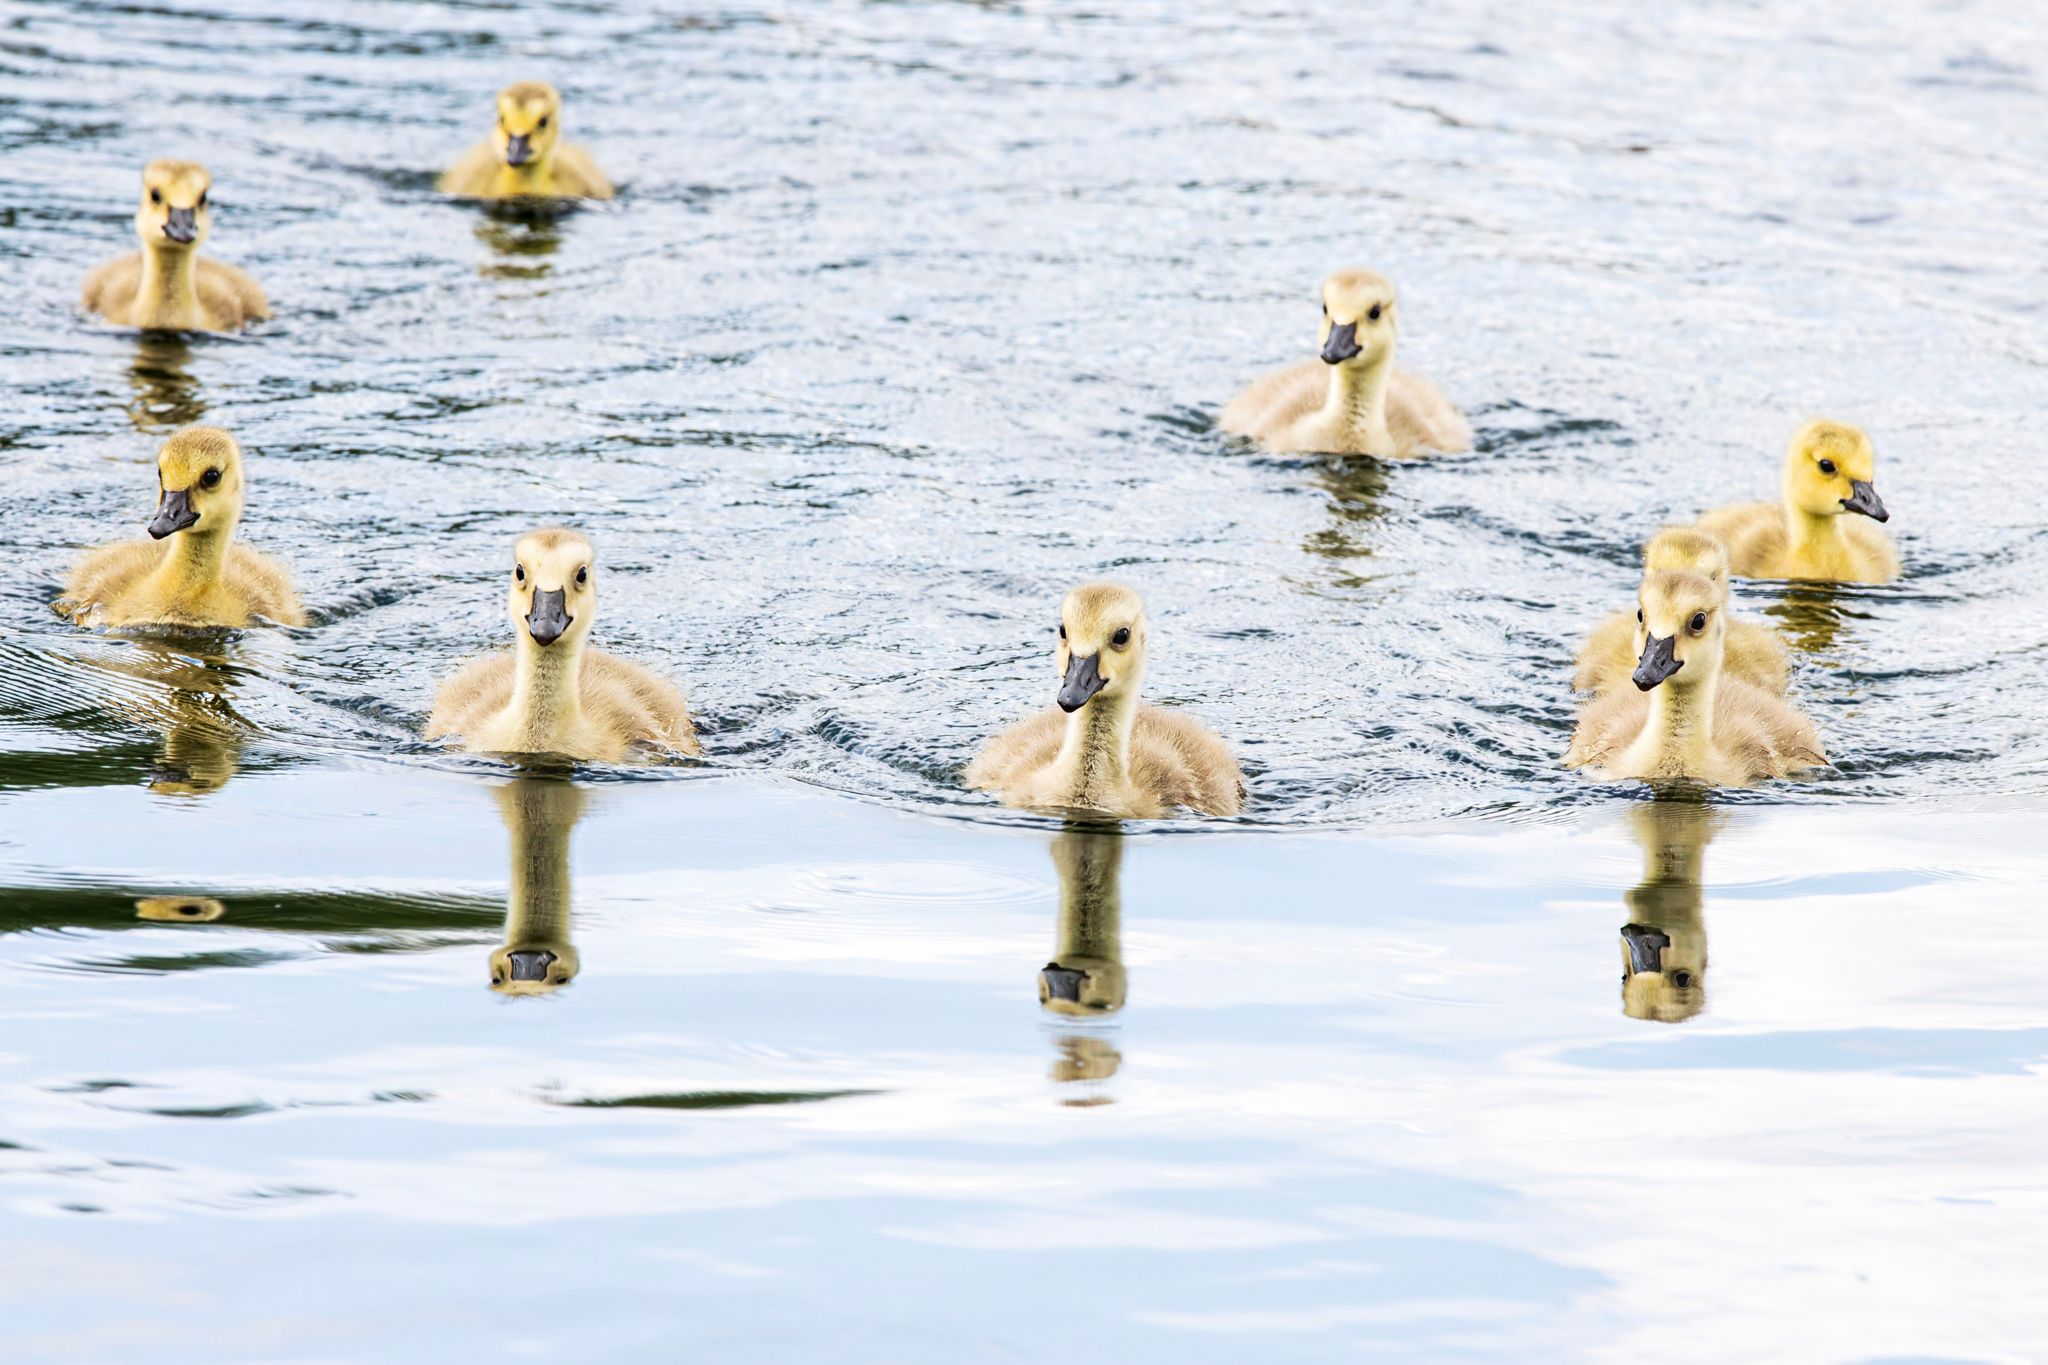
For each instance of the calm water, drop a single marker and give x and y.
(909, 317)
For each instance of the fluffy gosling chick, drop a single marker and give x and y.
(191, 571)
(167, 285)
(1752, 654)
(1103, 750)
(525, 157)
(1352, 400)
(1830, 471)
(552, 694)
(1687, 720)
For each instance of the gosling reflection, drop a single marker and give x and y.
(522, 238)
(1664, 944)
(1812, 616)
(1357, 490)
(1086, 976)
(189, 701)
(163, 394)
(537, 957)
(179, 909)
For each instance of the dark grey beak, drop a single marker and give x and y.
(1062, 983)
(547, 620)
(173, 513)
(183, 225)
(530, 964)
(1863, 498)
(1083, 682)
(1645, 947)
(1657, 662)
(518, 150)
(1341, 344)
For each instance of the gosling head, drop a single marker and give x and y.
(179, 909)
(1680, 619)
(1653, 985)
(1358, 318)
(199, 483)
(175, 214)
(533, 968)
(529, 121)
(1830, 469)
(1102, 644)
(554, 588)
(1681, 549)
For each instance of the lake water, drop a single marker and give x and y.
(908, 318)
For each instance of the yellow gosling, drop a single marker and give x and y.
(1352, 400)
(1103, 750)
(191, 572)
(552, 693)
(1753, 654)
(1830, 473)
(525, 157)
(168, 285)
(1687, 721)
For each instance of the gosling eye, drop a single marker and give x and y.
(210, 479)
(583, 575)
(200, 202)
(1326, 310)
(1063, 630)
(156, 196)
(1698, 622)
(519, 573)
(1122, 637)
(1639, 615)
(1827, 466)
(1374, 314)
(543, 120)
(1681, 979)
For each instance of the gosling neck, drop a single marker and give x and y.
(1682, 719)
(1096, 754)
(169, 291)
(1356, 403)
(546, 690)
(193, 563)
(1813, 536)
(536, 177)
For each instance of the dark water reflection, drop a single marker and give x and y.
(166, 396)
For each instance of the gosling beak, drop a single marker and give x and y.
(173, 513)
(518, 150)
(530, 964)
(1341, 344)
(182, 226)
(1061, 983)
(1658, 661)
(1645, 947)
(547, 620)
(1083, 681)
(1863, 498)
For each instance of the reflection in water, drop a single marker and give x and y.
(180, 909)
(522, 238)
(187, 699)
(1811, 615)
(166, 396)
(1664, 944)
(537, 957)
(1358, 491)
(1086, 974)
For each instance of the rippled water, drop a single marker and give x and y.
(907, 318)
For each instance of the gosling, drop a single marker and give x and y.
(1830, 471)
(1687, 722)
(524, 157)
(1103, 750)
(168, 285)
(551, 694)
(1752, 653)
(1352, 401)
(191, 572)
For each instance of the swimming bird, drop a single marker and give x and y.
(1687, 721)
(537, 957)
(168, 285)
(1830, 472)
(551, 693)
(1752, 653)
(1352, 400)
(525, 157)
(191, 572)
(1102, 749)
